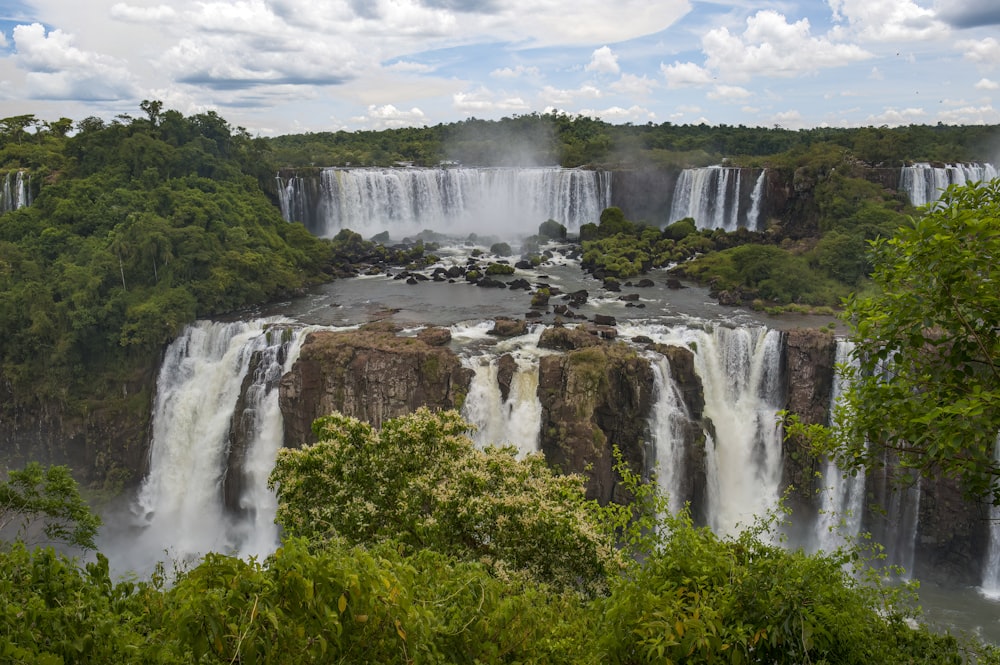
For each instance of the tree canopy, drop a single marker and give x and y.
(927, 343)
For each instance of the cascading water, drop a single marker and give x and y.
(843, 495)
(991, 571)
(668, 427)
(741, 374)
(924, 183)
(715, 198)
(180, 505)
(15, 192)
(403, 201)
(516, 418)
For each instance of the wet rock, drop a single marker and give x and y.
(509, 328)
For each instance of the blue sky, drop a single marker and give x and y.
(289, 66)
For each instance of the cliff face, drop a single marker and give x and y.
(105, 444)
(594, 397)
(370, 374)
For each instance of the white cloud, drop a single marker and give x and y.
(876, 74)
(895, 117)
(619, 114)
(515, 72)
(770, 46)
(888, 20)
(985, 51)
(603, 61)
(630, 84)
(382, 117)
(970, 115)
(126, 12)
(987, 84)
(788, 119)
(408, 67)
(56, 69)
(968, 13)
(562, 97)
(685, 74)
(3, 39)
(729, 93)
(750, 109)
(485, 101)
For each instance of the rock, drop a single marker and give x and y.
(611, 284)
(629, 297)
(642, 339)
(645, 283)
(454, 272)
(578, 297)
(674, 283)
(566, 339)
(436, 336)
(523, 265)
(559, 309)
(508, 328)
(519, 283)
(491, 283)
(506, 368)
(605, 320)
(412, 280)
(370, 374)
(593, 399)
(729, 298)
(533, 314)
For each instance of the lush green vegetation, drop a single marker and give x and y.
(556, 138)
(927, 386)
(451, 554)
(138, 227)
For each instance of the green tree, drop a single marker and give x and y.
(46, 500)
(421, 481)
(928, 344)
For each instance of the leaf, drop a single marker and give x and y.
(342, 603)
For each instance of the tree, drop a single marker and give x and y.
(927, 384)
(47, 499)
(420, 481)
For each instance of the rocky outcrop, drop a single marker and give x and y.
(594, 398)
(371, 374)
(104, 443)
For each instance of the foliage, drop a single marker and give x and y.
(552, 230)
(421, 481)
(46, 500)
(501, 249)
(927, 386)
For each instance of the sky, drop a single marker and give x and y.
(292, 66)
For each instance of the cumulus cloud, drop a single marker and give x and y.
(57, 69)
(987, 84)
(125, 12)
(515, 72)
(485, 101)
(387, 116)
(770, 46)
(729, 93)
(969, 13)
(970, 115)
(894, 117)
(888, 20)
(619, 114)
(685, 74)
(985, 51)
(636, 86)
(603, 61)
(565, 97)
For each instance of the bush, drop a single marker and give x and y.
(552, 229)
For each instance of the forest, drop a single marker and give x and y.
(449, 553)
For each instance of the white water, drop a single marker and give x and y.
(839, 519)
(180, 505)
(991, 571)
(712, 197)
(517, 420)
(924, 183)
(15, 191)
(668, 428)
(740, 370)
(505, 202)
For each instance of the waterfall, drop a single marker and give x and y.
(839, 519)
(924, 183)
(511, 420)
(756, 199)
(741, 370)
(991, 571)
(204, 374)
(402, 201)
(15, 191)
(714, 197)
(669, 428)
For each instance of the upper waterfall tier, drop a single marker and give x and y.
(402, 201)
(15, 191)
(924, 183)
(719, 197)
